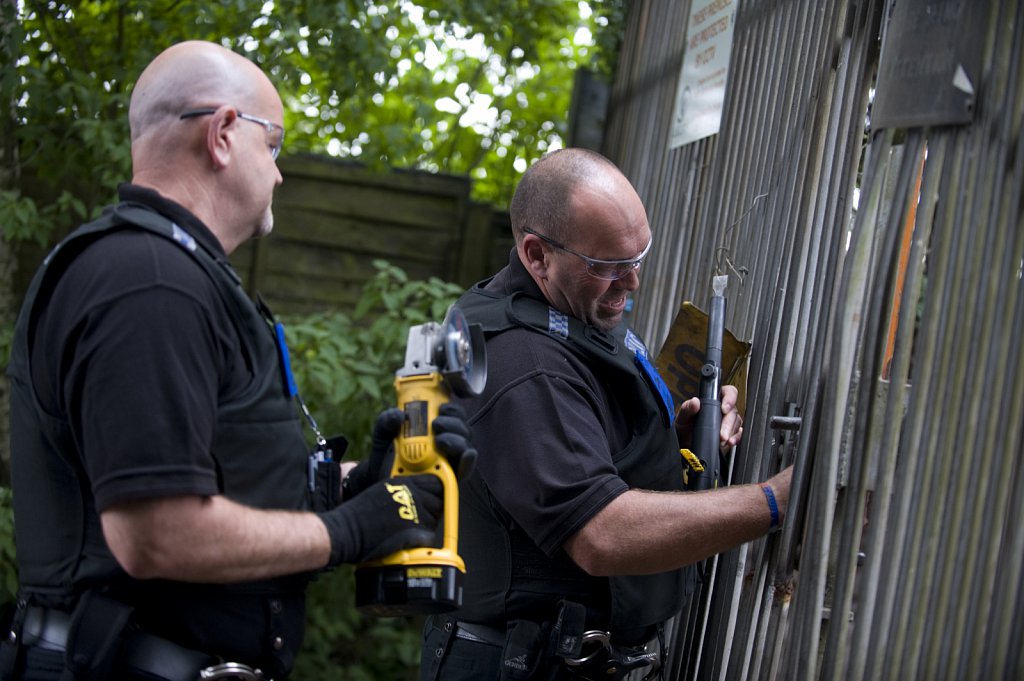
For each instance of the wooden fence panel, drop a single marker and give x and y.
(333, 219)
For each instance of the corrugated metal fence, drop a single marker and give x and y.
(891, 328)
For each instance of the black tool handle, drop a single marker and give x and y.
(708, 422)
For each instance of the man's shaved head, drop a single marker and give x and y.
(190, 75)
(219, 165)
(543, 200)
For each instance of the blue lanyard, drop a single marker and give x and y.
(291, 388)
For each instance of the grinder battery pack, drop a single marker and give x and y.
(440, 360)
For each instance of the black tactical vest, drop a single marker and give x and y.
(258, 446)
(650, 461)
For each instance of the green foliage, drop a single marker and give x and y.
(344, 367)
(6, 338)
(21, 219)
(478, 87)
(343, 645)
(71, 133)
(8, 568)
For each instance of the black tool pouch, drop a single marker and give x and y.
(524, 655)
(325, 475)
(95, 637)
(537, 651)
(567, 635)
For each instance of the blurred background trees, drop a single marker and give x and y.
(477, 87)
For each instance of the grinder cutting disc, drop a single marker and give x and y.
(460, 354)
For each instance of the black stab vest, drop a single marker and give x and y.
(259, 449)
(650, 461)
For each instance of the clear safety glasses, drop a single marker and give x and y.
(609, 270)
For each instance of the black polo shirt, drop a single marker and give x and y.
(545, 428)
(133, 347)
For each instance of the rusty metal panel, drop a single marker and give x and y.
(930, 66)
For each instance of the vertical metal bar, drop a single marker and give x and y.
(962, 427)
(874, 316)
(891, 455)
(932, 510)
(880, 630)
(995, 644)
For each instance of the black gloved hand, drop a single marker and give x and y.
(451, 437)
(374, 467)
(398, 513)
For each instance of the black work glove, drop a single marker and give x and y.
(390, 515)
(371, 469)
(451, 437)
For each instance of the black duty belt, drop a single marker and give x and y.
(45, 628)
(147, 655)
(480, 633)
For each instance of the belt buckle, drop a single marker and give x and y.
(231, 670)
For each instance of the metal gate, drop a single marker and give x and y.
(877, 273)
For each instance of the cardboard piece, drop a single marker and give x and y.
(682, 356)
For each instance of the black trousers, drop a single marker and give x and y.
(39, 664)
(465, 661)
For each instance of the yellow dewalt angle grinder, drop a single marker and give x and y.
(440, 360)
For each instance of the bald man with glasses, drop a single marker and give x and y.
(578, 538)
(170, 506)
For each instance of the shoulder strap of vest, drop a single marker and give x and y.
(125, 215)
(622, 350)
(497, 313)
(246, 313)
(133, 214)
(129, 215)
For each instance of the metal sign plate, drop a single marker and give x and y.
(930, 63)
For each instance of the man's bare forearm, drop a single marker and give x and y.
(644, 532)
(213, 540)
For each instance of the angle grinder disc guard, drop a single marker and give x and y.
(461, 354)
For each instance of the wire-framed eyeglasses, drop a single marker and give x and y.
(275, 132)
(609, 270)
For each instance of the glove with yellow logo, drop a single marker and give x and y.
(387, 516)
